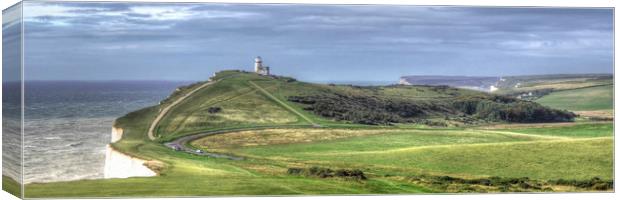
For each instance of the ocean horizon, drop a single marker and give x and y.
(71, 120)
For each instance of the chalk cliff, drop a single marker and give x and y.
(120, 165)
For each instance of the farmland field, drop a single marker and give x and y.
(590, 98)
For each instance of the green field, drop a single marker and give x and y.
(277, 137)
(579, 130)
(455, 152)
(590, 98)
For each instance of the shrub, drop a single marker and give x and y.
(214, 110)
(322, 172)
(295, 171)
(594, 183)
(504, 184)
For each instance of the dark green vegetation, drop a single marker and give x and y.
(499, 184)
(361, 108)
(323, 172)
(377, 109)
(291, 150)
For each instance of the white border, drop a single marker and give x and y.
(555, 3)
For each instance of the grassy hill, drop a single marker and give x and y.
(448, 140)
(247, 100)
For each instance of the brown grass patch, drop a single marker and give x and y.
(600, 114)
(280, 136)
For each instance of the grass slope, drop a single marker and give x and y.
(591, 98)
(242, 105)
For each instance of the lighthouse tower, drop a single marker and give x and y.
(258, 64)
(259, 68)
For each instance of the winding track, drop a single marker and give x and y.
(286, 106)
(164, 111)
(180, 143)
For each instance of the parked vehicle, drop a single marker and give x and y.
(176, 147)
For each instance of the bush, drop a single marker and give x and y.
(356, 174)
(214, 110)
(295, 171)
(594, 183)
(508, 184)
(322, 172)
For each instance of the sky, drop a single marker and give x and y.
(155, 41)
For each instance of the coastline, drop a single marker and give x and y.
(117, 134)
(120, 165)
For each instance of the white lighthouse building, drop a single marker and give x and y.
(259, 68)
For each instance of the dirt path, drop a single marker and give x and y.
(544, 137)
(164, 111)
(288, 107)
(180, 144)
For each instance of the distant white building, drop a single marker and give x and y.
(259, 68)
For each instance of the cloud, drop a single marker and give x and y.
(11, 16)
(62, 14)
(334, 38)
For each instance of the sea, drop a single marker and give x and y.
(68, 123)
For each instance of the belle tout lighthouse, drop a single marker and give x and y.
(259, 68)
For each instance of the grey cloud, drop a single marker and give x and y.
(392, 40)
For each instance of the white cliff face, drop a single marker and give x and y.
(403, 81)
(117, 134)
(120, 165)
